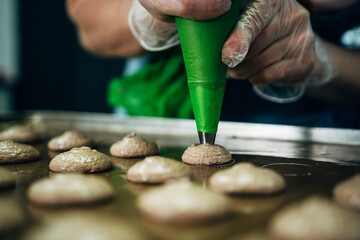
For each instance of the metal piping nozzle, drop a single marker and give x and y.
(207, 138)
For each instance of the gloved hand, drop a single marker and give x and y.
(273, 43)
(152, 34)
(154, 27)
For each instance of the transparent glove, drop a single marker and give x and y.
(273, 45)
(151, 33)
(152, 21)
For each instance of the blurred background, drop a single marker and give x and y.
(42, 65)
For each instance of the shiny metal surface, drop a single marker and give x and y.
(341, 146)
(293, 159)
(206, 138)
(182, 127)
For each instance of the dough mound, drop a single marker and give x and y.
(315, 218)
(12, 152)
(134, 146)
(157, 169)
(83, 160)
(7, 179)
(182, 202)
(347, 193)
(248, 179)
(69, 140)
(206, 154)
(83, 226)
(20, 133)
(69, 189)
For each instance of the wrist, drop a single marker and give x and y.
(324, 69)
(151, 33)
(318, 69)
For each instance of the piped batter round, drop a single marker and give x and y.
(315, 218)
(247, 178)
(84, 226)
(134, 146)
(347, 193)
(69, 140)
(20, 133)
(156, 169)
(84, 160)
(69, 189)
(182, 202)
(206, 154)
(12, 152)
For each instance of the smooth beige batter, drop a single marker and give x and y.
(247, 178)
(12, 152)
(182, 202)
(157, 169)
(69, 140)
(134, 146)
(206, 154)
(68, 189)
(7, 179)
(83, 226)
(82, 159)
(315, 218)
(347, 193)
(20, 133)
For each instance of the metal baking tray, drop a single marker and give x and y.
(312, 160)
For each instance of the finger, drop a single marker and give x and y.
(289, 47)
(251, 24)
(288, 71)
(266, 38)
(293, 24)
(198, 10)
(268, 57)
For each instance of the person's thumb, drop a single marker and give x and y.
(257, 16)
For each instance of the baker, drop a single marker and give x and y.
(273, 45)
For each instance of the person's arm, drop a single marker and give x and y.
(274, 42)
(102, 27)
(347, 63)
(326, 5)
(345, 88)
(333, 69)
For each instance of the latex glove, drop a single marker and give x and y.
(273, 46)
(152, 34)
(154, 27)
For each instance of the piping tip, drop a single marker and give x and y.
(207, 138)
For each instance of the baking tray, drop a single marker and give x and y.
(312, 160)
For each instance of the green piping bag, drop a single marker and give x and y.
(201, 44)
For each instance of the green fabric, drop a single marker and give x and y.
(159, 89)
